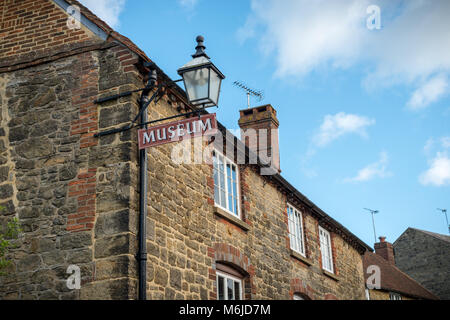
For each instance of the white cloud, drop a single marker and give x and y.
(411, 48)
(107, 10)
(438, 174)
(374, 170)
(335, 126)
(428, 93)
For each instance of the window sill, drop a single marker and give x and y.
(330, 275)
(228, 216)
(301, 258)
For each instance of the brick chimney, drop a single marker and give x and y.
(259, 132)
(385, 250)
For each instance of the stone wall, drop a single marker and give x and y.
(425, 259)
(72, 193)
(186, 237)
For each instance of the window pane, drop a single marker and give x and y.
(223, 200)
(216, 195)
(220, 288)
(230, 291)
(237, 290)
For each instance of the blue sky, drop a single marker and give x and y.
(364, 113)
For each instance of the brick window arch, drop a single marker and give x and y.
(330, 296)
(301, 289)
(229, 260)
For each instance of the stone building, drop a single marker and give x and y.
(394, 283)
(77, 195)
(425, 256)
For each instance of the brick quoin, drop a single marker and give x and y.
(84, 190)
(83, 97)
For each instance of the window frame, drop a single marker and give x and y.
(235, 279)
(330, 251)
(226, 161)
(291, 235)
(395, 296)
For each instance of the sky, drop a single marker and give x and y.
(361, 89)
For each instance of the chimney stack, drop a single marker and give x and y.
(259, 132)
(385, 250)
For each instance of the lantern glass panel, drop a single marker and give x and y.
(196, 82)
(214, 86)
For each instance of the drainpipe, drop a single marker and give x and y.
(143, 182)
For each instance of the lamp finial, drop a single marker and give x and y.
(200, 48)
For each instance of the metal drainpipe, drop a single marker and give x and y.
(143, 182)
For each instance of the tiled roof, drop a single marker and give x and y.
(393, 279)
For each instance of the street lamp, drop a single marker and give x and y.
(201, 78)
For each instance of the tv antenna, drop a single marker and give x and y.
(373, 221)
(250, 92)
(444, 211)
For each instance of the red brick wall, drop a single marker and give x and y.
(31, 25)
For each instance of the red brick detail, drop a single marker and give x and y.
(245, 190)
(300, 287)
(83, 98)
(318, 245)
(31, 25)
(334, 253)
(84, 190)
(330, 296)
(232, 256)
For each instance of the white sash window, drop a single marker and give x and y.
(296, 235)
(226, 184)
(325, 248)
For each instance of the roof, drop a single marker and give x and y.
(439, 236)
(350, 237)
(395, 280)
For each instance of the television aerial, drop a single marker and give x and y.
(259, 95)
